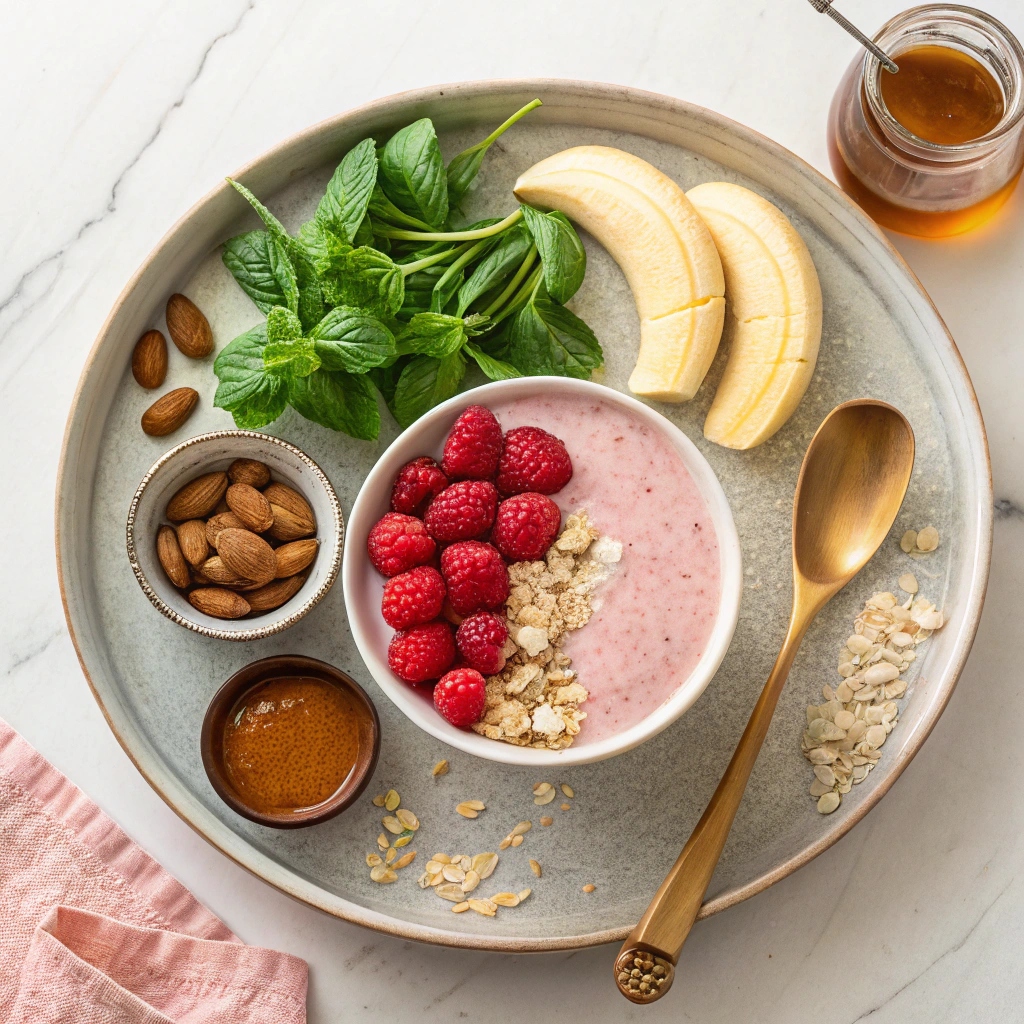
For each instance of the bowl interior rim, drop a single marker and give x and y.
(248, 678)
(685, 694)
(273, 624)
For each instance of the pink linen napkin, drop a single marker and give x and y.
(94, 931)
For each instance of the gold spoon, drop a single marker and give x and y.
(851, 486)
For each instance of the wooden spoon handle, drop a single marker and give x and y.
(645, 965)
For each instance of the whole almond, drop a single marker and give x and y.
(273, 595)
(289, 498)
(249, 471)
(169, 411)
(222, 521)
(288, 526)
(295, 556)
(250, 506)
(171, 558)
(247, 555)
(188, 328)
(192, 541)
(220, 603)
(149, 359)
(198, 498)
(216, 571)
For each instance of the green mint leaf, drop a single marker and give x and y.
(252, 395)
(344, 204)
(476, 324)
(385, 378)
(546, 338)
(504, 259)
(561, 252)
(262, 270)
(494, 369)
(273, 224)
(364, 278)
(464, 168)
(364, 233)
(424, 383)
(445, 289)
(338, 400)
(413, 171)
(431, 334)
(313, 240)
(382, 209)
(350, 339)
(419, 291)
(282, 325)
(297, 358)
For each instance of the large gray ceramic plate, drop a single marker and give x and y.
(882, 338)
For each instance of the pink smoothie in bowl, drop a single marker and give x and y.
(665, 608)
(654, 614)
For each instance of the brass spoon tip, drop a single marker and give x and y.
(642, 974)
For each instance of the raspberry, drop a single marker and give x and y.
(533, 460)
(473, 446)
(480, 639)
(463, 511)
(422, 652)
(476, 576)
(460, 696)
(413, 597)
(526, 526)
(398, 543)
(417, 482)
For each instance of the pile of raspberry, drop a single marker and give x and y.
(444, 548)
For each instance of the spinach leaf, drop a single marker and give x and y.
(252, 395)
(262, 269)
(424, 383)
(561, 252)
(294, 358)
(349, 339)
(502, 260)
(464, 168)
(344, 204)
(382, 209)
(431, 334)
(413, 171)
(338, 400)
(364, 278)
(546, 338)
(494, 369)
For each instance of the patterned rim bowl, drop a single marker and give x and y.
(208, 453)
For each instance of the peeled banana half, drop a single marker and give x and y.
(666, 252)
(774, 311)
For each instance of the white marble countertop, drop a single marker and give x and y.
(119, 115)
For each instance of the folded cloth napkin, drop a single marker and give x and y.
(94, 931)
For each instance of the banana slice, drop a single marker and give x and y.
(775, 314)
(643, 218)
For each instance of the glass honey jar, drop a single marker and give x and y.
(937, 151)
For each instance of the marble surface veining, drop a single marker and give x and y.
(118, 116)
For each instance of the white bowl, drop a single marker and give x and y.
(362, 584)
(208, 453)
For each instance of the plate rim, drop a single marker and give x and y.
(651, 102)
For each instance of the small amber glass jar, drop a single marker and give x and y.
(908, 183)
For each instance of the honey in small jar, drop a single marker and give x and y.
(291, 743)
(937, 148)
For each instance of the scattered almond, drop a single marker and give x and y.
(218, 602)
(188, 327)
(149, 360)
(192, 541)
(249, 471)
(171, 559)
(198, 498)
(295, 556)
(250, 506)
(248, 555)
(169, 412)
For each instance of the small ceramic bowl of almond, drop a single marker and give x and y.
(235, 534)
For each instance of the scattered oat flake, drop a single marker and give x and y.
(567, 790)
(523, 894)
(372, 860)
(405, 860)
(383, 874)
(544, 798)
(547, 821)
(382, 842)
(441, 768)
(466, 811)
(909, 541)
(408, 819)
(522, 828)
(928, 539)
(589, 888)
(403, 841)
(392, 800)
(535, 867)
(541, 788)
(485, 907)
(566, 807)
(908, 583)
(461, 908)
(390, 856)
(517, 840)
(378, 800)
(393, 825)
(505, 899)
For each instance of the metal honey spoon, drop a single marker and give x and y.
(825, 7)
(851, 486)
